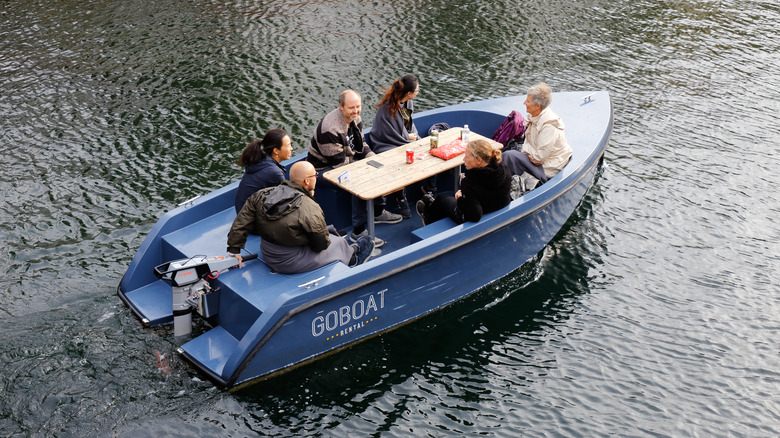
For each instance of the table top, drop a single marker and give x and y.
(369, 182)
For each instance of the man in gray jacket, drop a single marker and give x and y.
(292, 227)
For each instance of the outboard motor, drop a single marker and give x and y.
(190, 280)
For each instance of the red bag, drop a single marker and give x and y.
(449, 150)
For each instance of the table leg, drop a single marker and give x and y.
(370, 218)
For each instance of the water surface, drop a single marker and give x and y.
(654, 312)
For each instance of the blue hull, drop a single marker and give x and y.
(265, 323)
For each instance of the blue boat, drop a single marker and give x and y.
(258, 323)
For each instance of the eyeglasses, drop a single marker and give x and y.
(310, 176)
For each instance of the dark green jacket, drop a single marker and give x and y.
(285, 215)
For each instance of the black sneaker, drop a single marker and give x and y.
(421, 206)
(363, 249)
(400, 206)
(429, 190)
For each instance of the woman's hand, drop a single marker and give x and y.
(458, 194)
(412, 136)
(538, 163)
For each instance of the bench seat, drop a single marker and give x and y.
(433, 229)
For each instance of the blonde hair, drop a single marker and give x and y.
(483, 150)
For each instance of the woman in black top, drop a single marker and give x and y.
(484, 188)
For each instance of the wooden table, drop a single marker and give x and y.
(368, 182)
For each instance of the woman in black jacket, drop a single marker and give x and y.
(484, 188)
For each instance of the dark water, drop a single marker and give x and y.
(654, 312)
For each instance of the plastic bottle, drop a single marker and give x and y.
(464, 134)
(434, 139)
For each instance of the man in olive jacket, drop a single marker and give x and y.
(295, 237)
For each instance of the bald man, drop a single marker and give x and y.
(338, 140)
(292, 227)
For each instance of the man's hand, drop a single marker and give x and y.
(240, 260)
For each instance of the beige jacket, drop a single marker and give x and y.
(545, 141)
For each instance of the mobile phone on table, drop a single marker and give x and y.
(375, 163)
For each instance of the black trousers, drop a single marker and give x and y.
(441, 207)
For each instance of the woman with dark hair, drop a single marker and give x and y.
(484, 188)
(260, 160)
(393, 126)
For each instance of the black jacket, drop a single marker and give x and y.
(484, 189)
